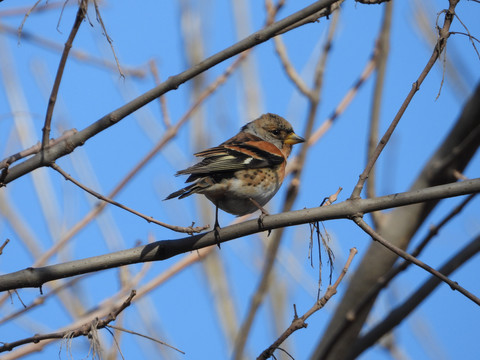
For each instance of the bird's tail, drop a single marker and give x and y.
(182, 193)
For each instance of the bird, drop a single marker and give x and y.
(242, 174)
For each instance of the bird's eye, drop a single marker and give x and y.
(275, 132)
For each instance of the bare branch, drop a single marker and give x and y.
(82, 10)
(27, 14)
(3, 245)
(164, 249)
(332, 198)
(281, 51)
(51, 154)
(299, 322)
(5, 163)
(189, 230)
(40, 300)
(470, 37)
(74, 53)
(146, 337)
(313, 18)
(399, 227)
(383, 48)
(163, 102)
(401, 312)
(83, 330)
(377, 237)
(440, 45)
(109, 39)
(385, 280)
(347, 99)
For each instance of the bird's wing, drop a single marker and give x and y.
(232, 156)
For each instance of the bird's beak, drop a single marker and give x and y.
(293, 138)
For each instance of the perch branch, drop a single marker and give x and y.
(164, 249)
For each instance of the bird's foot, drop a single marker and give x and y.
(262, 215)
(216, 229)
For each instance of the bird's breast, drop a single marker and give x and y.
(233, 194)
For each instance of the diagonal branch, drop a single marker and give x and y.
(145, 336)
(346, 100)
(50, 154)
(83, 330)
(82, 11)
(78, 55)
(395, 249)
(439, 47)
(401, 312)
(189, 230)
(383, 281)
(299, 322)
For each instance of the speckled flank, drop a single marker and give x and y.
(260, 184)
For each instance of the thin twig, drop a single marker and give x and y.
(281, 51)
(457, 76)
(347, 99)
(470, 37)
(433, 231)
(3, 245)
(101, 310)
(377, 237)
(332, 198)
(146, 337)
(459, 176)
(82, 10)
(297, 80)
(115, 342)
(76, 54)
(83, 330)
(439, 47)
(401, 312)
(272, 10)
(22, 10)
(383, 48)
(189, 230)
(27, 14)
(40, 299)
(109, 39)
(299, 322)
(162, 99)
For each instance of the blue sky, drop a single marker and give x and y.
(182, 310)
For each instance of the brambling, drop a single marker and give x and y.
(243, 173)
